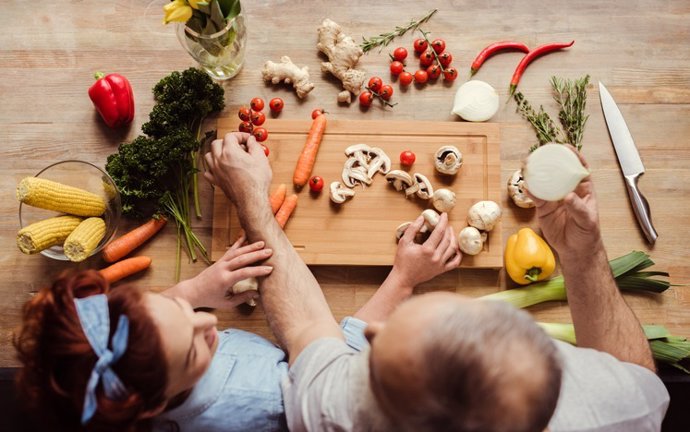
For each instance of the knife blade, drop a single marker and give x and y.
(629, 160)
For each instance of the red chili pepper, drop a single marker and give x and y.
(113, 98)
(494, 48)
(527, 59)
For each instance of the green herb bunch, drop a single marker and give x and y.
(157, 172)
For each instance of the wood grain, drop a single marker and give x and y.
(361, 231)
(639, 50)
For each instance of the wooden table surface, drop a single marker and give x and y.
(640, 50)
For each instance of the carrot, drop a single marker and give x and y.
(132, 240)
(277, 197)
(124, 268)
(307, 158)
(286, 209)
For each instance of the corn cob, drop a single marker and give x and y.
(50, 195)
(46, 233)
(84, 239)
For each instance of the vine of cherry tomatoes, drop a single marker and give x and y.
(434, 61)
(377, 89)
(253, 118)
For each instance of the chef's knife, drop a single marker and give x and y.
(629, 160)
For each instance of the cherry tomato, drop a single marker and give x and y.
(450, 74)
(400, 54)
(266, 150)
(366, 98)
(317, 112)
(407, 158)
(245, 114)
(258, 118)
(246, 126)
(386, 92)
(445, 59)
(261, 134)
(420, 45)
(257, 104)
(434, 71)
(427, 58)
(316, 184)
(375, 84)
(421, 76)
(397, 68)
(438, 45)
(276, 105)
(406, 78)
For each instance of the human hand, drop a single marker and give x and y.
(237, 164)
(416, 263)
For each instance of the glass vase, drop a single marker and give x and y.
(220, 54)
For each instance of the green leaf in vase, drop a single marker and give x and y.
(230, 8)
(217, 15)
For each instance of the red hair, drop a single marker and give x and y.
(57, 358)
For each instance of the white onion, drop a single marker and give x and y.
(475, 101)
(553, 171)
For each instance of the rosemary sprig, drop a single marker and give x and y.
(546, 129)
(571, 96)
(385, 38)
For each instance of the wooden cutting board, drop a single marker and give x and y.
(362, 230)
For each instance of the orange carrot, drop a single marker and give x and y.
(124, 268)
(286, 209)
(277, 197)
(307, 158)
(132, 240)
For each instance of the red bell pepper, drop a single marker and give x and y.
(113, 98)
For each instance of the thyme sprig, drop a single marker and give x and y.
(385, 38)
(547, 131)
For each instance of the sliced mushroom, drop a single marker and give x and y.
(431, 219)
(412, 190)
(360, 152)
(443, 200)
(339, 193)
(471, 241)
(484, 215)
(448, 160)
(426, 190)
(378, 162)
(400, 230)
(400, 180)
(354, 173)
(246, 285)
(516, 191)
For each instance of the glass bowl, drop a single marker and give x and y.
(86, 176)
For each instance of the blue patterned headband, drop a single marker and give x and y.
(95, 320)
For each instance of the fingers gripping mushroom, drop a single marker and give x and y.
(431, 219)
(400, 230)
(471, 240)
(484, 215)
(448, 160)
(246, 285)
(339, 193)
(425, 189)
(443, 200)
(516, 190)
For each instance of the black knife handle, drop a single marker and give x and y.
(640, 207)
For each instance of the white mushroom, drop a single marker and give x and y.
(426, 190)
(246, 285)
(471, 241)
(339, 193)
(378, 162)
(443, 200)
(484, 215)
(400, 180)
(448, 160)
(360, 152)
(431, 219)
(354, 173)
(516, 191)
(400, 230)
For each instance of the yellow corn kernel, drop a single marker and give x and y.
(50, 195)
(84, 239)
(46, 233)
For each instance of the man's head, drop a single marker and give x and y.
(445, 362)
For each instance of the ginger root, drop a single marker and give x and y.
(343, 54)
(290, 73)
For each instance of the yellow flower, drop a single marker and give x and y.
(193, 3)
(178, 10)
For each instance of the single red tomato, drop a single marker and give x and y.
(261, 134)
(317, 112)
(316, 184)
(420, 45)
(438, 45)
(445, 59)
(427, 58)
(397, 68)
(366, 98)
(258, 118)
(386, 92)
(434, 71)
(375, 84)
(406, 78)
(245, 114)
(246, 126)
(421, 76)
(257, 104)
(276, 105)
(407, 158)
(400, 54)
(266, 150)
(450, 74)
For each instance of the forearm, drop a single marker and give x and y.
(601, 318)
(186, 290)
(390, 294)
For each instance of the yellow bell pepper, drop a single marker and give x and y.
(528, 258)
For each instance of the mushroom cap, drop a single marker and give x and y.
(471, 241)
(426, 190)
(484, 215)
(431, 219)
(443, 200)
(516, 190)
(448, 160)
(339, 193)
(378, 162)
(399, 179)
(400, 230)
